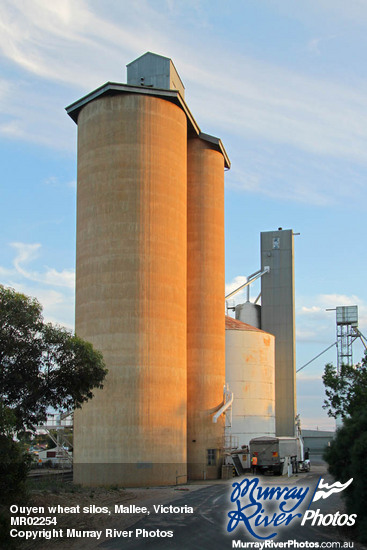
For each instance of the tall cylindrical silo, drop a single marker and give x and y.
(205, 309)
(131, 289)
(250, 373)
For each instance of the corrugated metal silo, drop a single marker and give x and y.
(250, 366)
(249, 313)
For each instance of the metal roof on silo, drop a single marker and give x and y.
(170, 89)
(235, 324)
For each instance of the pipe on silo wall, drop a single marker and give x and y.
(205, 310)
(131, 289)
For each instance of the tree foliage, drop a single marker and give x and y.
(14, 466)
(41, 365)
(347, 392)
(346, 458)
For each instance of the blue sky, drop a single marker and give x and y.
(283, 83)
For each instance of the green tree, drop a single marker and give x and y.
(41, 365)
(346, 458)
(14, 466)
(346, 393)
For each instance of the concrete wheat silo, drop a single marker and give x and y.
(205, 312)
(132, 274)
(130, 288)
(250, 373)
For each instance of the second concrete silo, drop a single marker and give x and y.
(205, 312)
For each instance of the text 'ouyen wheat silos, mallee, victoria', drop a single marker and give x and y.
(150, 253)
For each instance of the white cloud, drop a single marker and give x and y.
(304, 335)
(81, 44)
(309, 310)
(317, 422)
(12, 129)
(71, 41)
(316, 306)
(333, 300)
(309, 377)
(278, 173)
(58, 307)
(284, 107)
(314, 324)
(61, 43)
(233, 285)
(313, 46)
(54, 289)
(355, 11)
(321, 12)
(26, 253)
(31, 113)
(66, 277)
(5, 273)
(54, 181)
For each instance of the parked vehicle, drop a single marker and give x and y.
(273, 454)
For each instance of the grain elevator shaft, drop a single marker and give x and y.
(278, 318)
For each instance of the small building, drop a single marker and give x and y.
(317, 440)
(55, 457)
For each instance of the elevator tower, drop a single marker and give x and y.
(278, 318)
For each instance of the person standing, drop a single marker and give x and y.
(254, 464)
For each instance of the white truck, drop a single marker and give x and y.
(273, 454)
